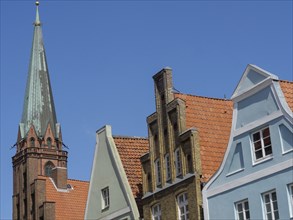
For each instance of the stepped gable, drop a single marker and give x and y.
(130, 150)
(71, 203)
(212, 118)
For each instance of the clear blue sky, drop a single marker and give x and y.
(102, 56)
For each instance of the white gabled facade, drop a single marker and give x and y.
(110, 195)
(256, 175)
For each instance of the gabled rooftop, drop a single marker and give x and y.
(212, 118)
(287, 88)
(71, 203)
(130, 150)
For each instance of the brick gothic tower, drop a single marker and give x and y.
(39, 142)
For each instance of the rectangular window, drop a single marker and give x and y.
(183, 212)
(178, 162)
(262, 145)
(158, 172)
(270, 204)
(290, 190)
(242, 210)
(156, 212)
(167, 165)
(105, 198)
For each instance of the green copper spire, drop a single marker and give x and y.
(39, 109)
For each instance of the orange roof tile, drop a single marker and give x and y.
(287, 88)
(71, 204)
(130, 150)
(212, 118)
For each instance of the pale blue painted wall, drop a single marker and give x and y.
(252, 79)
(222, 205)
(244, 141)
(239, 161)
(256, 107)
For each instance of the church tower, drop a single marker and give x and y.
(39, 150)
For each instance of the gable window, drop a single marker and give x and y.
(105, 198)
(242, 210)
(270, 205)
(178, 167)
(262, 145)
(182, 202)
(156, 212)
(48, 168)
(158, 172)
(167, 166)
(290, 190)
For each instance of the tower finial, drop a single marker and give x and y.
(37, 22)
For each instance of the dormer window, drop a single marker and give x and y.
(49, 142)
(262, 146)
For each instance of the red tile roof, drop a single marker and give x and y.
(68, 205)
(212, 118)
(130, 150)
(287, 88)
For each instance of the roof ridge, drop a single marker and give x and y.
(205, 97)
(129, 137)
(86, 181)
(285, 81)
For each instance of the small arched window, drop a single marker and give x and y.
(49, 142)
(48, 168)
(32, 142)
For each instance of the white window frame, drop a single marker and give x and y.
(290, 198)
(158, 172)
(105, 197)
(271, 205)
(167, 166)
(156, 212)
(183, 205)
(262, 147)
(178, 165)
(243, 210)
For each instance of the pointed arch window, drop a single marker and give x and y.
(48, 168)
(49, 142)
(32, 142)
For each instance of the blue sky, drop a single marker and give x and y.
(102, 56)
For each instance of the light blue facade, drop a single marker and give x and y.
(259, 157)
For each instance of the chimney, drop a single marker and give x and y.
(59, 175)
